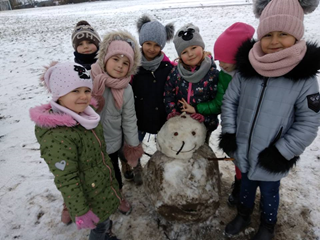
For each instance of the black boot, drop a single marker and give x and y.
(265, 232)
(240, 222)
(235, 194)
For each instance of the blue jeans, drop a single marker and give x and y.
(100, 232)
(269, 201)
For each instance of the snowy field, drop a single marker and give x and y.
(30, 204)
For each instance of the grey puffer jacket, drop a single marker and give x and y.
(274, 119)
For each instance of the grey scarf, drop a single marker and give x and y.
(196, 76)
(153, 64)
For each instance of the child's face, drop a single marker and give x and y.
(117, 66)
(276, 41)
(192, 55)
(228, 67)
(86, 47)
(76, 100)
(150, 50)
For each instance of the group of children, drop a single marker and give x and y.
(266, 92)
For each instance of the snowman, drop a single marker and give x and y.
(181, 179)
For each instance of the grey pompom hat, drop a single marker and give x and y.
(152, 30)
(187, 36)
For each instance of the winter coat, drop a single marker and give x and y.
(176, 88)
(77, 158)
(274, 119)
(148, 88)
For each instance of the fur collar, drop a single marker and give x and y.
(45, 118)
(308, 67)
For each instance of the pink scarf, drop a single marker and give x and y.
(101, 80)
(279, 63)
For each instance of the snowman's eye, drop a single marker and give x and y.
(176, 134)
(193, 133)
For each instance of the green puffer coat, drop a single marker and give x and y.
(78, 160)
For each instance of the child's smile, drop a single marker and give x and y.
(192, 55)
(276, 41)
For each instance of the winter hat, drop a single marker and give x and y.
(83, 31)
(283, 15)
(152, 30)
(120, 47)
(62, 78)
(187, 36)
(227, 44)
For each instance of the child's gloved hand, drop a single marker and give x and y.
(88, 220)
(197, 116)
(132, 154)
(173, 114)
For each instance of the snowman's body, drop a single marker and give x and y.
(182, 184)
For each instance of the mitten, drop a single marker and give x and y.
(271, 160)
(132, 154)
(228, 143)
(88, 220)
(172, 114)
(197, 116)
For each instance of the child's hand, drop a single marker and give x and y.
(186, 107)
(88, 220)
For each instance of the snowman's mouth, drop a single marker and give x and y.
(180, 150)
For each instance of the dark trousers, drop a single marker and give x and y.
(115, 163)
(269, 201)
(99, 233)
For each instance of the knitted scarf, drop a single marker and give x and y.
(153, 64)
(279, 63)
(89, 119)
(101, 80)
(85, 60)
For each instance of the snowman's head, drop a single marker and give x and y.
(180, 136)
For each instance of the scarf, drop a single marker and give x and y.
(89, 119)
(153, 64)
(101, 80)
(195, 76)
(278, 63)
(85, 60)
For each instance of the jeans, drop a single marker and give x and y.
(269, 201)
(101, 231)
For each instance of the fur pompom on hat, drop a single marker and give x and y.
(227, 44)
(84, 31)
(188, 35)
(62, 78)
(283, 15)
(152, 30)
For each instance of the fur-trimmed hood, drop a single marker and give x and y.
(43, 117)
(119, 35)
(307, 68)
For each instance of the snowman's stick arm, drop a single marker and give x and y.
(218, 159)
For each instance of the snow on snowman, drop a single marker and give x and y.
(182, 178)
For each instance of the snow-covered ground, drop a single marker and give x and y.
(30, 204)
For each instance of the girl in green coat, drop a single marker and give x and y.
(72, 144)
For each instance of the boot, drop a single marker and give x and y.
(235, 194)
(125, 167)
(240, 222)
(265, 232)
(65, 216)
(137, 174)
(109, 234)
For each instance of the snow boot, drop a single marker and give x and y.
(235, 194)
(265, 232)
(125, 167)
(137, 174)
(65, 215)
(110, 235)
(240, 222)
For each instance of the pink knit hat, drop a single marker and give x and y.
(282, 15)
(62, 78)
(227, 44)
(120, 47)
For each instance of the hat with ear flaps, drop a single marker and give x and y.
(282, 15)
(152, 30)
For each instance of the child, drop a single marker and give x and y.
(194, 79)
(118, 58)
(225, 49)
(148, 83)
(71, 142)
(85, 41)
(270, 111)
